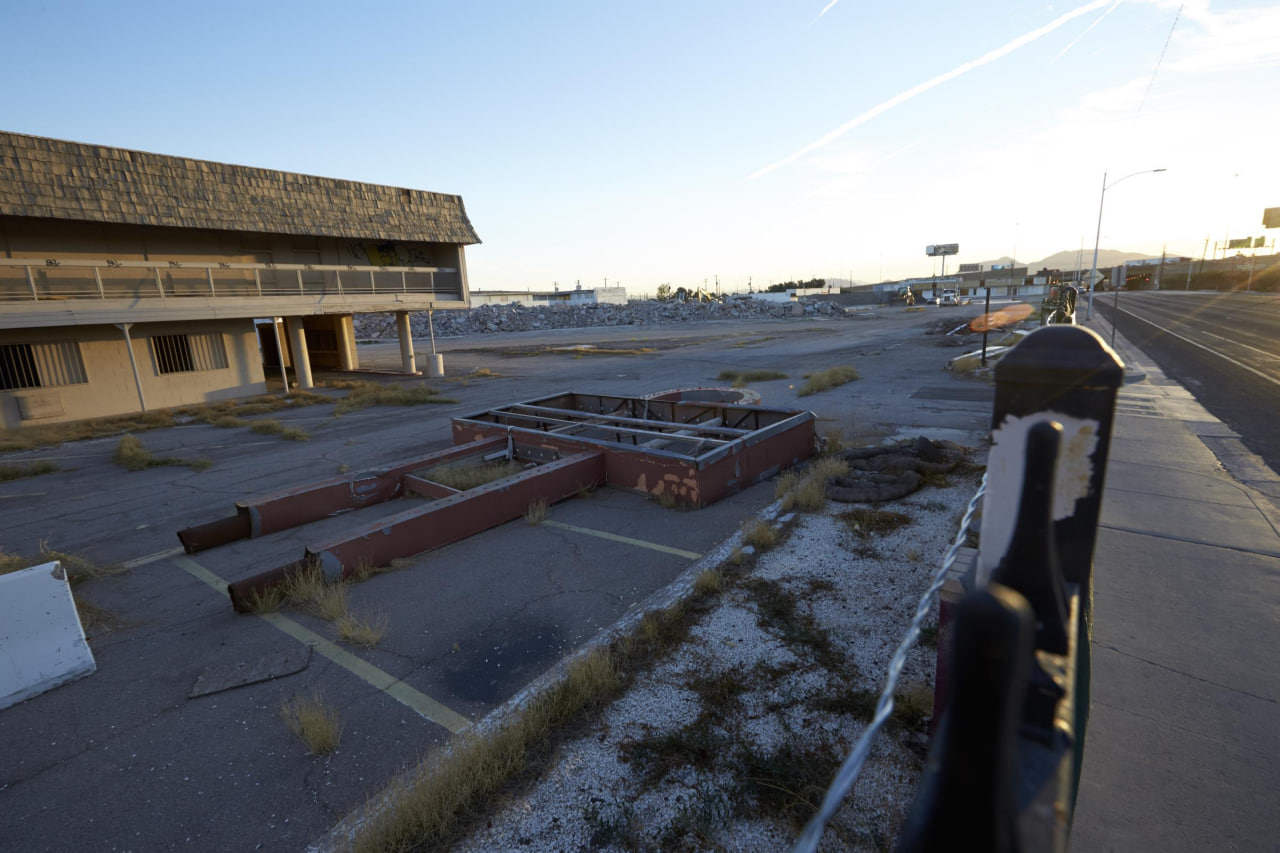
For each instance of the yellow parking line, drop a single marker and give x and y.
(151, 558)
(627, 540)
(362, 669)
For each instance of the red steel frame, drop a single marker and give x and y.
(696, 452)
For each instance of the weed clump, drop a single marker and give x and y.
(865, 522)
(362, 395)
(806, 491)
(537, 511)
(832, 377)
(759, 534)
(463, 476)
(316, 723)
(27, 469)
(132, 456)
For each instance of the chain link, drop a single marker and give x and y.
(848, 775)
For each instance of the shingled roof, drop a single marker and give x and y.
(55, 179)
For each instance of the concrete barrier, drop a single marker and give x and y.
(42, 644)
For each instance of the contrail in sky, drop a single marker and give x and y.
(1087, 30)
(827, 8)
(903, 97)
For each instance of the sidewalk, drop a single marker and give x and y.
(1183, 749)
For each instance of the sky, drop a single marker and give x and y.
(690, 141)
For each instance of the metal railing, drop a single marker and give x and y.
(36, 279)
(1004, 765)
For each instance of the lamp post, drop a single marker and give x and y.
(1093, 271)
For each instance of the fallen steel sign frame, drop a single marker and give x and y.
(693, 451)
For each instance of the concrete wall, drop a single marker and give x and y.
(110, 389)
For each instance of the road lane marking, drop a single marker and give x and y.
(626, 540)
(1238, 344)
(1254, 371)
(420, 703)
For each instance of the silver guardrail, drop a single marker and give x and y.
(35, 279)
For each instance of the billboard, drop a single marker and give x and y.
(971, 268)
(942, 249)
(1271, 217)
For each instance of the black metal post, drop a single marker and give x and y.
(968, 796)
(985, 326)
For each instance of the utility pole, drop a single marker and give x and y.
(1160, 269)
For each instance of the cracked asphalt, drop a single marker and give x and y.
(126, 760)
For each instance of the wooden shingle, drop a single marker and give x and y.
(92, 183)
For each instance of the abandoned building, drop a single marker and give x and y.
(133, 281)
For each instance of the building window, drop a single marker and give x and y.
(188, 353)
(41, 365)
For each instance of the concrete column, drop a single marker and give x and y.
(406, 342)
(345, 330)
(301, 361)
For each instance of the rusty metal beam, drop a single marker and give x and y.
(646, 423)
(501, 415)
(314, 501)
(416, 485)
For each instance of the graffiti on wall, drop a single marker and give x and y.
(390, 254)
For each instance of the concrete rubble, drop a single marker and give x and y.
(521, 318)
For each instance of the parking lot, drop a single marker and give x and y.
(166, 746)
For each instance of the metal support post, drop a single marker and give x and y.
(133, 362)
(97, 278)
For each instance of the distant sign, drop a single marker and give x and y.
(942, 249)
(1001, 267)
(971, 268)
(1242, 243)
(1271, 217)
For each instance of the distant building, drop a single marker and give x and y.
(532, 298)
(131, 281)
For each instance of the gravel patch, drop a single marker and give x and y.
(730, 741)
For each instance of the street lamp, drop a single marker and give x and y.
(1093, 272)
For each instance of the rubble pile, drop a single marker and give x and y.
(485, 319)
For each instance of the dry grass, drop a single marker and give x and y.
(738, 557)
(267, 600)
(806, 491)
(274, 427)
(428, 804)
(94, 619)
(468, 475)
(26, 469)
(759, 534)
(709, 582)
(225, 413)
(358, 632)
(832, 377)
(537, 511)
(316, 723)
(667, 500)
(51, 435)
(362, 395)
(134, 457)
(865, 522)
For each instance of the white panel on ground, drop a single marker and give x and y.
(42, 645)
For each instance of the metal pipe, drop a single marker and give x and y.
(133, 361)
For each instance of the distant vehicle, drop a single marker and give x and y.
(949, 297)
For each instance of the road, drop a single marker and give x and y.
(1221, 346)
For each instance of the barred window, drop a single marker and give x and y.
(41, 365)
(188, 353)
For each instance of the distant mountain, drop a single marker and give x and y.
(1067, 260)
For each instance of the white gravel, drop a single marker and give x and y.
(862, 593)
